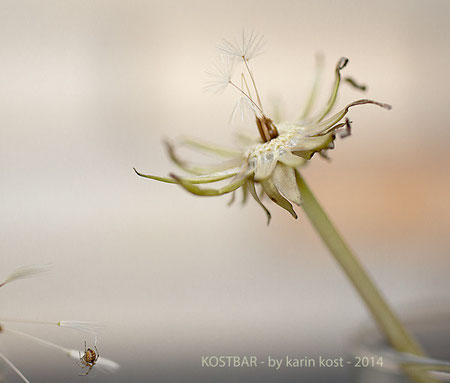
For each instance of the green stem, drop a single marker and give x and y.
(377, 305)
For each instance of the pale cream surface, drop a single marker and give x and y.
(88, 90)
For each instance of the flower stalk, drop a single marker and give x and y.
(271, 163)
(385, 318)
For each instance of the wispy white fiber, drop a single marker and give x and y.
(246, 46)
(219, 75)
(26, 272)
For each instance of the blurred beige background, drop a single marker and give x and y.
(88, 89)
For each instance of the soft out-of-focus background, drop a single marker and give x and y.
(88, 89)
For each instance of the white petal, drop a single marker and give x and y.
(236, 183)
(284, 180)
(305, 147)
(270, 189)
(291, 160)
(314, 129)
(265, 165)
(312, 143)
(254, 194)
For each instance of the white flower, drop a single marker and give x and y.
(271, 160)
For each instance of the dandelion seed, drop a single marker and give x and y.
(88, 327)
(246, 47)
(26, 272)
(92, 328)
(220, 74)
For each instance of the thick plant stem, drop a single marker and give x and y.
(387, 321)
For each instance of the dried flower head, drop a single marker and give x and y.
(268, 161)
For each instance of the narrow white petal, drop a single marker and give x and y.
(265, 164)
(305, 147)
(314, 129)
(236, 183)
(291, 160)
(254, 194)
(270, 189)
(284, 180)
(203, 179)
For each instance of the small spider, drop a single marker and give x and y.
(89, 358)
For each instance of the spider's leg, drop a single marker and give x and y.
(87, 372)
(97, 355)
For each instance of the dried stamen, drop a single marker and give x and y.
(266, 128)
